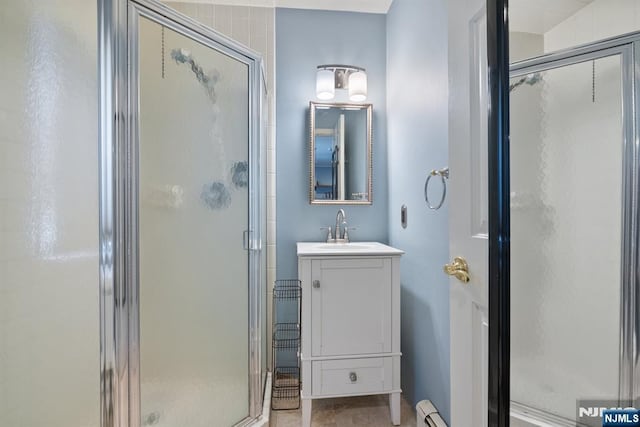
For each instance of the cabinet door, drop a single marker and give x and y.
(351, 306)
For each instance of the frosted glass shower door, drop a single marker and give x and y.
(193, 211)
(566, 230)
(49, 263)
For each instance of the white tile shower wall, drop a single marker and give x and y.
(253, 27)
(598, 20)
(525, 45)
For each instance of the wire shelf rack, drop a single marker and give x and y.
(285, 393)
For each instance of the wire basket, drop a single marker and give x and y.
(290, 289)
(286, 388)
(286, 336)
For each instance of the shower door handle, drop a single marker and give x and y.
(245, 240)
(249, 242)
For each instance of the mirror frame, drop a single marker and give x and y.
(312, 146)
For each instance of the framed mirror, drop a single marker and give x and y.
(340, 147)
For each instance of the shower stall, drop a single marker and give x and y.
(181, 204)
(132, 218)
(574, 231)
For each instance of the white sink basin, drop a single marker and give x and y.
(342, 246)
(354, 248)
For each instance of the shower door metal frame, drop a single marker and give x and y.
(499, 214)
(628, 49)
(118, 148)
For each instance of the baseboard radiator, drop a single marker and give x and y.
(428, 415)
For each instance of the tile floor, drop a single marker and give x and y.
(363, 411)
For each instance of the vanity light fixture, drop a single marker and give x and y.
(348, 77)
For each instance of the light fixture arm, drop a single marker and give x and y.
(341, 73)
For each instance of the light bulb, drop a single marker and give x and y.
(325, 88)
(358, 86)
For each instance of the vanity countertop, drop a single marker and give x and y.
(352, 248)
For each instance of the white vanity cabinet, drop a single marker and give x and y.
(350, 322)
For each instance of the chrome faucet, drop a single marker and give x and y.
(341, 219)
(339, 236)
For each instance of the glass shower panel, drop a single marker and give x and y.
(194, 208)
(49, 310)
(566, 209)
(264, 129)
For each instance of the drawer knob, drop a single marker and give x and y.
(353, 377)
(316, 284)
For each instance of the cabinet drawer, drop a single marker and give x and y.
(352, 376)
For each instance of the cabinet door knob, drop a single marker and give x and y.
(316, 284)
(353, 377)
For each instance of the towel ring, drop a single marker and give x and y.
(443, 174)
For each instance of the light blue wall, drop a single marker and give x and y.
(304, 40)
(417, 142)
(405, 53)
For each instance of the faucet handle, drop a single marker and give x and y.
(346, 232)
(329, 235)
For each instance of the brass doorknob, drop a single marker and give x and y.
(459, 269)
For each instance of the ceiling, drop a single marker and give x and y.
(371, 6)
(539, 16)
(529, 16)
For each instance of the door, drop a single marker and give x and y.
(351, 298)
(193, 153)
(468, 212)
(567, 181)
(189, 206)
